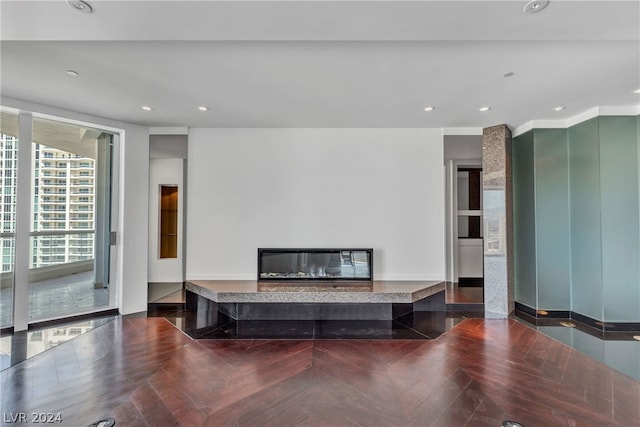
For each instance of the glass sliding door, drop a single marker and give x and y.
(70, 205)
(8, 175)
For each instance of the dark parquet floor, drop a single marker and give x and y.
(145, 372)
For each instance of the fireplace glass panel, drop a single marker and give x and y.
(315, 264)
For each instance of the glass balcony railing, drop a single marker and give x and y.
(50, 248)
(53, 247)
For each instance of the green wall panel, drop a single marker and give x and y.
(577, 218)
(619, 218)
(524, 228)
(553, 239)
(584, 199)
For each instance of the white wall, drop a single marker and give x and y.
(164, 172)
(459, 147)
(133, 222)
(378, 188)
(129, 280)
(168, 146)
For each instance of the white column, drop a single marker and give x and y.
(451, 270)
(23, 220)
(115, 248)
(101, 211)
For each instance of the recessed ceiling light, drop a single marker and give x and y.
(509, 74)
(484, 109)
(203, 108)
(637, 91)
(429, 108)
(559, 108)
(146, 108)
(80, 6)
(72, 73)
(535, 6)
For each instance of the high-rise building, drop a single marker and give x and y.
(8, 175)
(63, 201)
(63, 205)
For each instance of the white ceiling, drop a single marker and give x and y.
(322, 63)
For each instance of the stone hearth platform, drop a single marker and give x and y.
(253, 300)
(235, 291)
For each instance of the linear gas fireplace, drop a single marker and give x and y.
(315, 264)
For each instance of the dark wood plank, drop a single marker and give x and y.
(143, 371)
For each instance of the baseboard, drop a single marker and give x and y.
(606, 326)
(70, 319)
(586, 320)
(471, 282)
(154, 307)
(479, 307)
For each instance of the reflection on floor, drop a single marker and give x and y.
(416, 325)
(19, 346)
(456, 294)
(57, 297)
(618, 350)
(144, 372)
(166, 293)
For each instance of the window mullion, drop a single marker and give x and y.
(23, 223)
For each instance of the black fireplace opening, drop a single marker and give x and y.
(315, 264)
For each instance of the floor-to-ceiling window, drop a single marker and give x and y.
(8, 175)
(65, 247)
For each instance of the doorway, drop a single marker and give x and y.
(167, 221)
(465, 243)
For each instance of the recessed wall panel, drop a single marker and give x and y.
(524, 221)
(553, 240)
(584, 199)
(619, 207)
